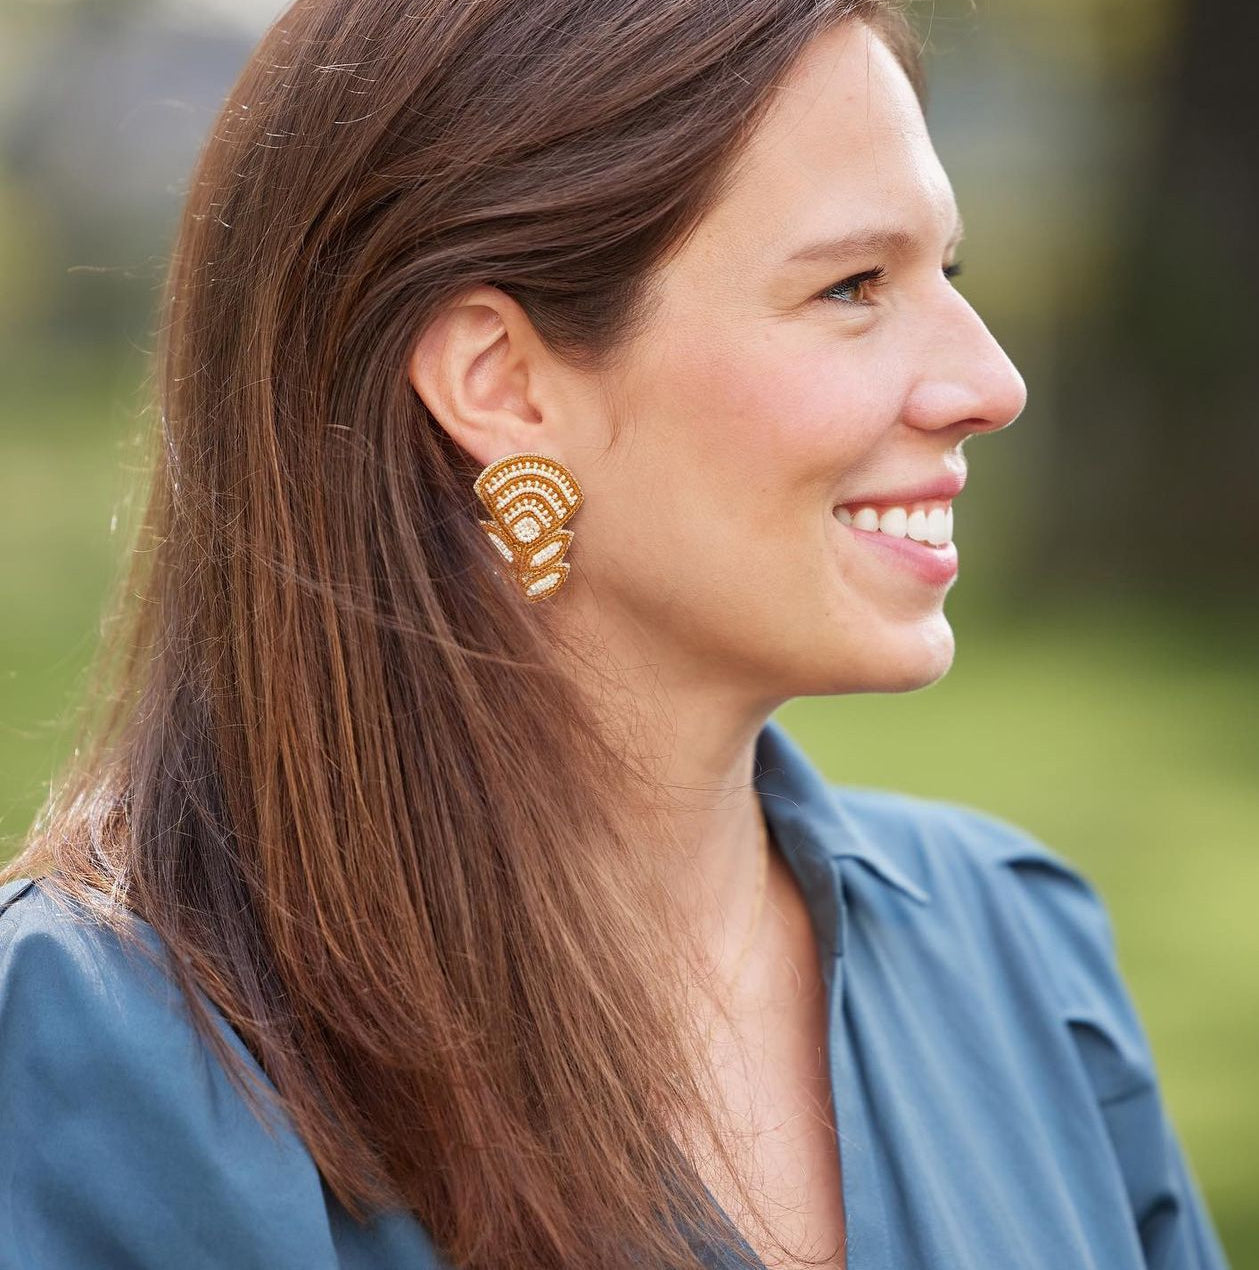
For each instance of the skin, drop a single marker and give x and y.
(708, 566)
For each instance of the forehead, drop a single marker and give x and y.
(844, 144)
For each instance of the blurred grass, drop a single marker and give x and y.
(1120, 732)
(65, 472)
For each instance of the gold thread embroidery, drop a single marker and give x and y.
(530, 497)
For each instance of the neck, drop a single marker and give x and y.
(695, 738)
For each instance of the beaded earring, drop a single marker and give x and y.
(530, 496)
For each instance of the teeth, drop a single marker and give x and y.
(894, 522)
(939, 526)
(934, 526)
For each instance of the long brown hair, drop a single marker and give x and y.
(338, 765)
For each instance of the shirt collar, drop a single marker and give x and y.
(807, 815)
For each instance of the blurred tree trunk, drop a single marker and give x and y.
(1157, 408)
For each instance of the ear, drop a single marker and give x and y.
(483, 373)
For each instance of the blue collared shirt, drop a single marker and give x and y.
(995, 1094)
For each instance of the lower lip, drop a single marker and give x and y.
(936, 566)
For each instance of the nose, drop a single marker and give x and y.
(967, 380)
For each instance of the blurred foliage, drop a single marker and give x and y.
(1105, 684)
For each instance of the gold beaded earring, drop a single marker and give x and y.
(530, 497)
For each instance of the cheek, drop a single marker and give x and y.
(735, 444)
(772, 417)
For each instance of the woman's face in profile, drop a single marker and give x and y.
(770, 391)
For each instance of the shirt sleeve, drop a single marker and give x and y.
(1071, 928)
(123, 1145)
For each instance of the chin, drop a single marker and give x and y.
(917, 659)
(900, 659)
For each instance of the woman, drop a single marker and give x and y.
(548, 392)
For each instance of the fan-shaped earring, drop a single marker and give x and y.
(530, 497)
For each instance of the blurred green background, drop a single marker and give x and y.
(1105, 688)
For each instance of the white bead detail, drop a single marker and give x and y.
(541, 557)
(526, 529)
(542, 584)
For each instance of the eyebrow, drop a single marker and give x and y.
(872, 241)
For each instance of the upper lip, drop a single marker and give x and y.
(945, 485)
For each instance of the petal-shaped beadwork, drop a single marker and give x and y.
(530, 496)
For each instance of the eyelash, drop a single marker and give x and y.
(876, 277)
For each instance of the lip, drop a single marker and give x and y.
(946, 485)
(936, 566)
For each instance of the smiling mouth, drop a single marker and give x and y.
(929, 523)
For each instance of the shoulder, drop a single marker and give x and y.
(946, 838)
(66, 976)
(43, 931)
(82, 993)
(124, 1142)
(998, 885)
(956, 851)
(1019, 927)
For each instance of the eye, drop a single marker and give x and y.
(873, 278)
